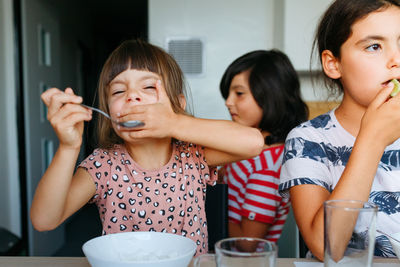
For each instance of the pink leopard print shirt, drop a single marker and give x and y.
(169, 200)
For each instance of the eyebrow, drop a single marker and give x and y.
(149, 76)
(371, 38)
(238, 86)
(146, 77)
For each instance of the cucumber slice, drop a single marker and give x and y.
(396, 88)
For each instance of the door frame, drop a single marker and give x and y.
(20, 120)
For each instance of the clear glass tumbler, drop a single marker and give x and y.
(240, 251)
(349, 233)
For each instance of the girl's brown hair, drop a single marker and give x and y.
(335, 28)
(139, 55)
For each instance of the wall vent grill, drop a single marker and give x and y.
(188, 53)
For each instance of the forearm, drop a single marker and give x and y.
(314, 236)
(358, 176)
(50, 197)
(225, 136)
(248, 228)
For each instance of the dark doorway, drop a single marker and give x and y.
(113, 22)
(106, 24)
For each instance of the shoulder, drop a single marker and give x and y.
(101, 156)
(183, 148)
(315, 134)
(271, 154)
(319, 126)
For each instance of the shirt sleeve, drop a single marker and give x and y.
(210, 175)
(97, 165)
(305, 161)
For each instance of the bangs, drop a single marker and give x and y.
(132, 55)
(138, 55)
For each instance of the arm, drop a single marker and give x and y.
(379, 128)
(58, 193)
(225, 141)
(248, 228)
(262, 205)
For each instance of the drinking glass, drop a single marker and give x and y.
(349, 232)
(240, 251)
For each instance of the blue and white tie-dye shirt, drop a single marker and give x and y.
(317, 151)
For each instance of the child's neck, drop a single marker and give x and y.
(349, 115)
(151, 155)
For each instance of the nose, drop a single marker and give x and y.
(394, 61)
(229, 101)
(133, 96)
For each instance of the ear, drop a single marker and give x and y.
(182, 101)
(330, 65)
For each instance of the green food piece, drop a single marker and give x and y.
(396, 88)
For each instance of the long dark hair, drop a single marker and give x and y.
(275, 86)
(335, 28)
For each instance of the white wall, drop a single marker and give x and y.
(229, 29)
(10, 206)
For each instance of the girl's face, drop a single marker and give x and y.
(241, 103)
(132, 87)
(370, 58)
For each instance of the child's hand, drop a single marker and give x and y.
(66, 116)
(381, 121)
(158, 117)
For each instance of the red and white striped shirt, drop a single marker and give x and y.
(253, 191)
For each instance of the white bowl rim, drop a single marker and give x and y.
(145, 261)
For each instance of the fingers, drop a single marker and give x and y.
(70, 114)
(69, 91)
(55, 99)
(48, 94)
(381, 97)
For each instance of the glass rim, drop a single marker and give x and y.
(366, 205)
(246, 254)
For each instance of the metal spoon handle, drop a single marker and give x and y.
(126, 124)
(98, 110)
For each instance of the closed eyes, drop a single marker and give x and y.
(116, 92)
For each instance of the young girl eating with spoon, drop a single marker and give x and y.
(150, 178)
(353, 151)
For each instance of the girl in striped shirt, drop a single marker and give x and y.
(262, 90)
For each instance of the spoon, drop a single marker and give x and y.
(126, 124)
(395, 239)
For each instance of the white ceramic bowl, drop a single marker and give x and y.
(136, 249)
